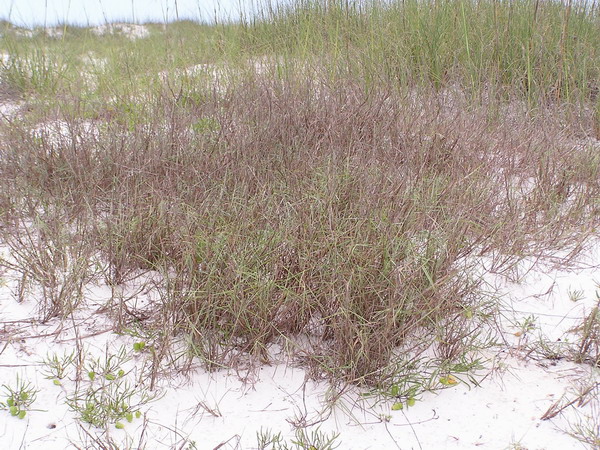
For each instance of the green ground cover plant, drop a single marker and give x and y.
(18, 398)
(101, 391)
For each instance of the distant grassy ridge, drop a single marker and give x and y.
(535, 49)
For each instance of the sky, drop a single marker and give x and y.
(94, 12)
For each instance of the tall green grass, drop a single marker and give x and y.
(537, 50)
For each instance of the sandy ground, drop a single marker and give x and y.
(505, 411)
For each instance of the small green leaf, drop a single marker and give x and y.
(448, 381)
(22, 414)
(138, 414)
(129, 417)
(395, 390)
(10, 401)
(397, 406)
(109, 376)
(56, 382)
(14, 410)
(121, 373)
(119, 426)
(139, 346)
(91, 375)
(411, 401)
(24, 395)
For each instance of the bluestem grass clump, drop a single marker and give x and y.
(324, 177)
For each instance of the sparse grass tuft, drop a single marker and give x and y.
(316, 439)
(588, 348)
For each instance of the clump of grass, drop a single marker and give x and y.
(46, 256)
(588, 348)
(307, 196)
(33, 72)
